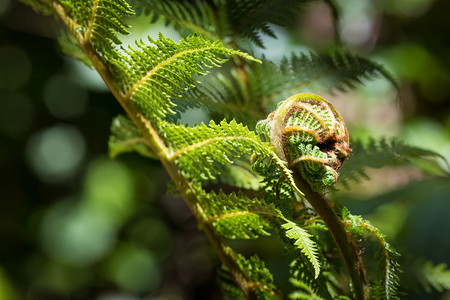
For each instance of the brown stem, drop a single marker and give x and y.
(344, 241)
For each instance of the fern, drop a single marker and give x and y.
(237, 216)
(268, 83)
(126, 137)
(158, 78)
(99, 21)
(256, 271)
(304, 243)
(151, 75)
(376, 154)
(186, 16)
(436, 276)
(195, 149)
(387, 287)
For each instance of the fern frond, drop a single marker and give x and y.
(304, 243)
(236, 216)
(192, 16)
(376, 154)
(337, 70)
(251, 18)
(99, 21)
(387, 256)
(267, 83)
(126, 137)
(303, 291)
(258, 275)
(152, 74)
(198, 150)
(434, 276)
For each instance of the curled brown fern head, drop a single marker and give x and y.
(309, 134)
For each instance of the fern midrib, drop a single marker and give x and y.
(161, 65)
(240, 213)
(91, 22)
(204, 143)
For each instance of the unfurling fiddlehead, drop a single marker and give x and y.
(310, 135)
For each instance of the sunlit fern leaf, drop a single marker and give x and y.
(236, 216)
(153, 73)
(198, 150)
(100, 21)
(126, 137)
(376, 154)
(304, 242)
(187, 16)
(386, 288)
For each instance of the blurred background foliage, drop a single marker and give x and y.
(75, 224)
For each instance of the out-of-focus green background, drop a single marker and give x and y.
(75, 224)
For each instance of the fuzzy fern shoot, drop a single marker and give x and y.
(293, 154)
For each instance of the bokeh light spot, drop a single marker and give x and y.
(56, 153)
(109, 187)
(75, 235)
(65, 98)
(134, 269)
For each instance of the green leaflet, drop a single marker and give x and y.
(153, 73)
(99, 21)
(126, 137)
(269, 83)
(198, 150)
(236, 216)
(376, 154)
(436, 276)
(304, 243)
(257, 273)
(185, 16)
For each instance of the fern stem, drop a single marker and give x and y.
(344, 241)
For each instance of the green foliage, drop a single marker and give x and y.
(434, 276)
(147, 78)
(376, 154)
(152, 75)
(304, 243)
(236, 216)
(386, 288)
(269, 83)
(99, 21)
(126, 137)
